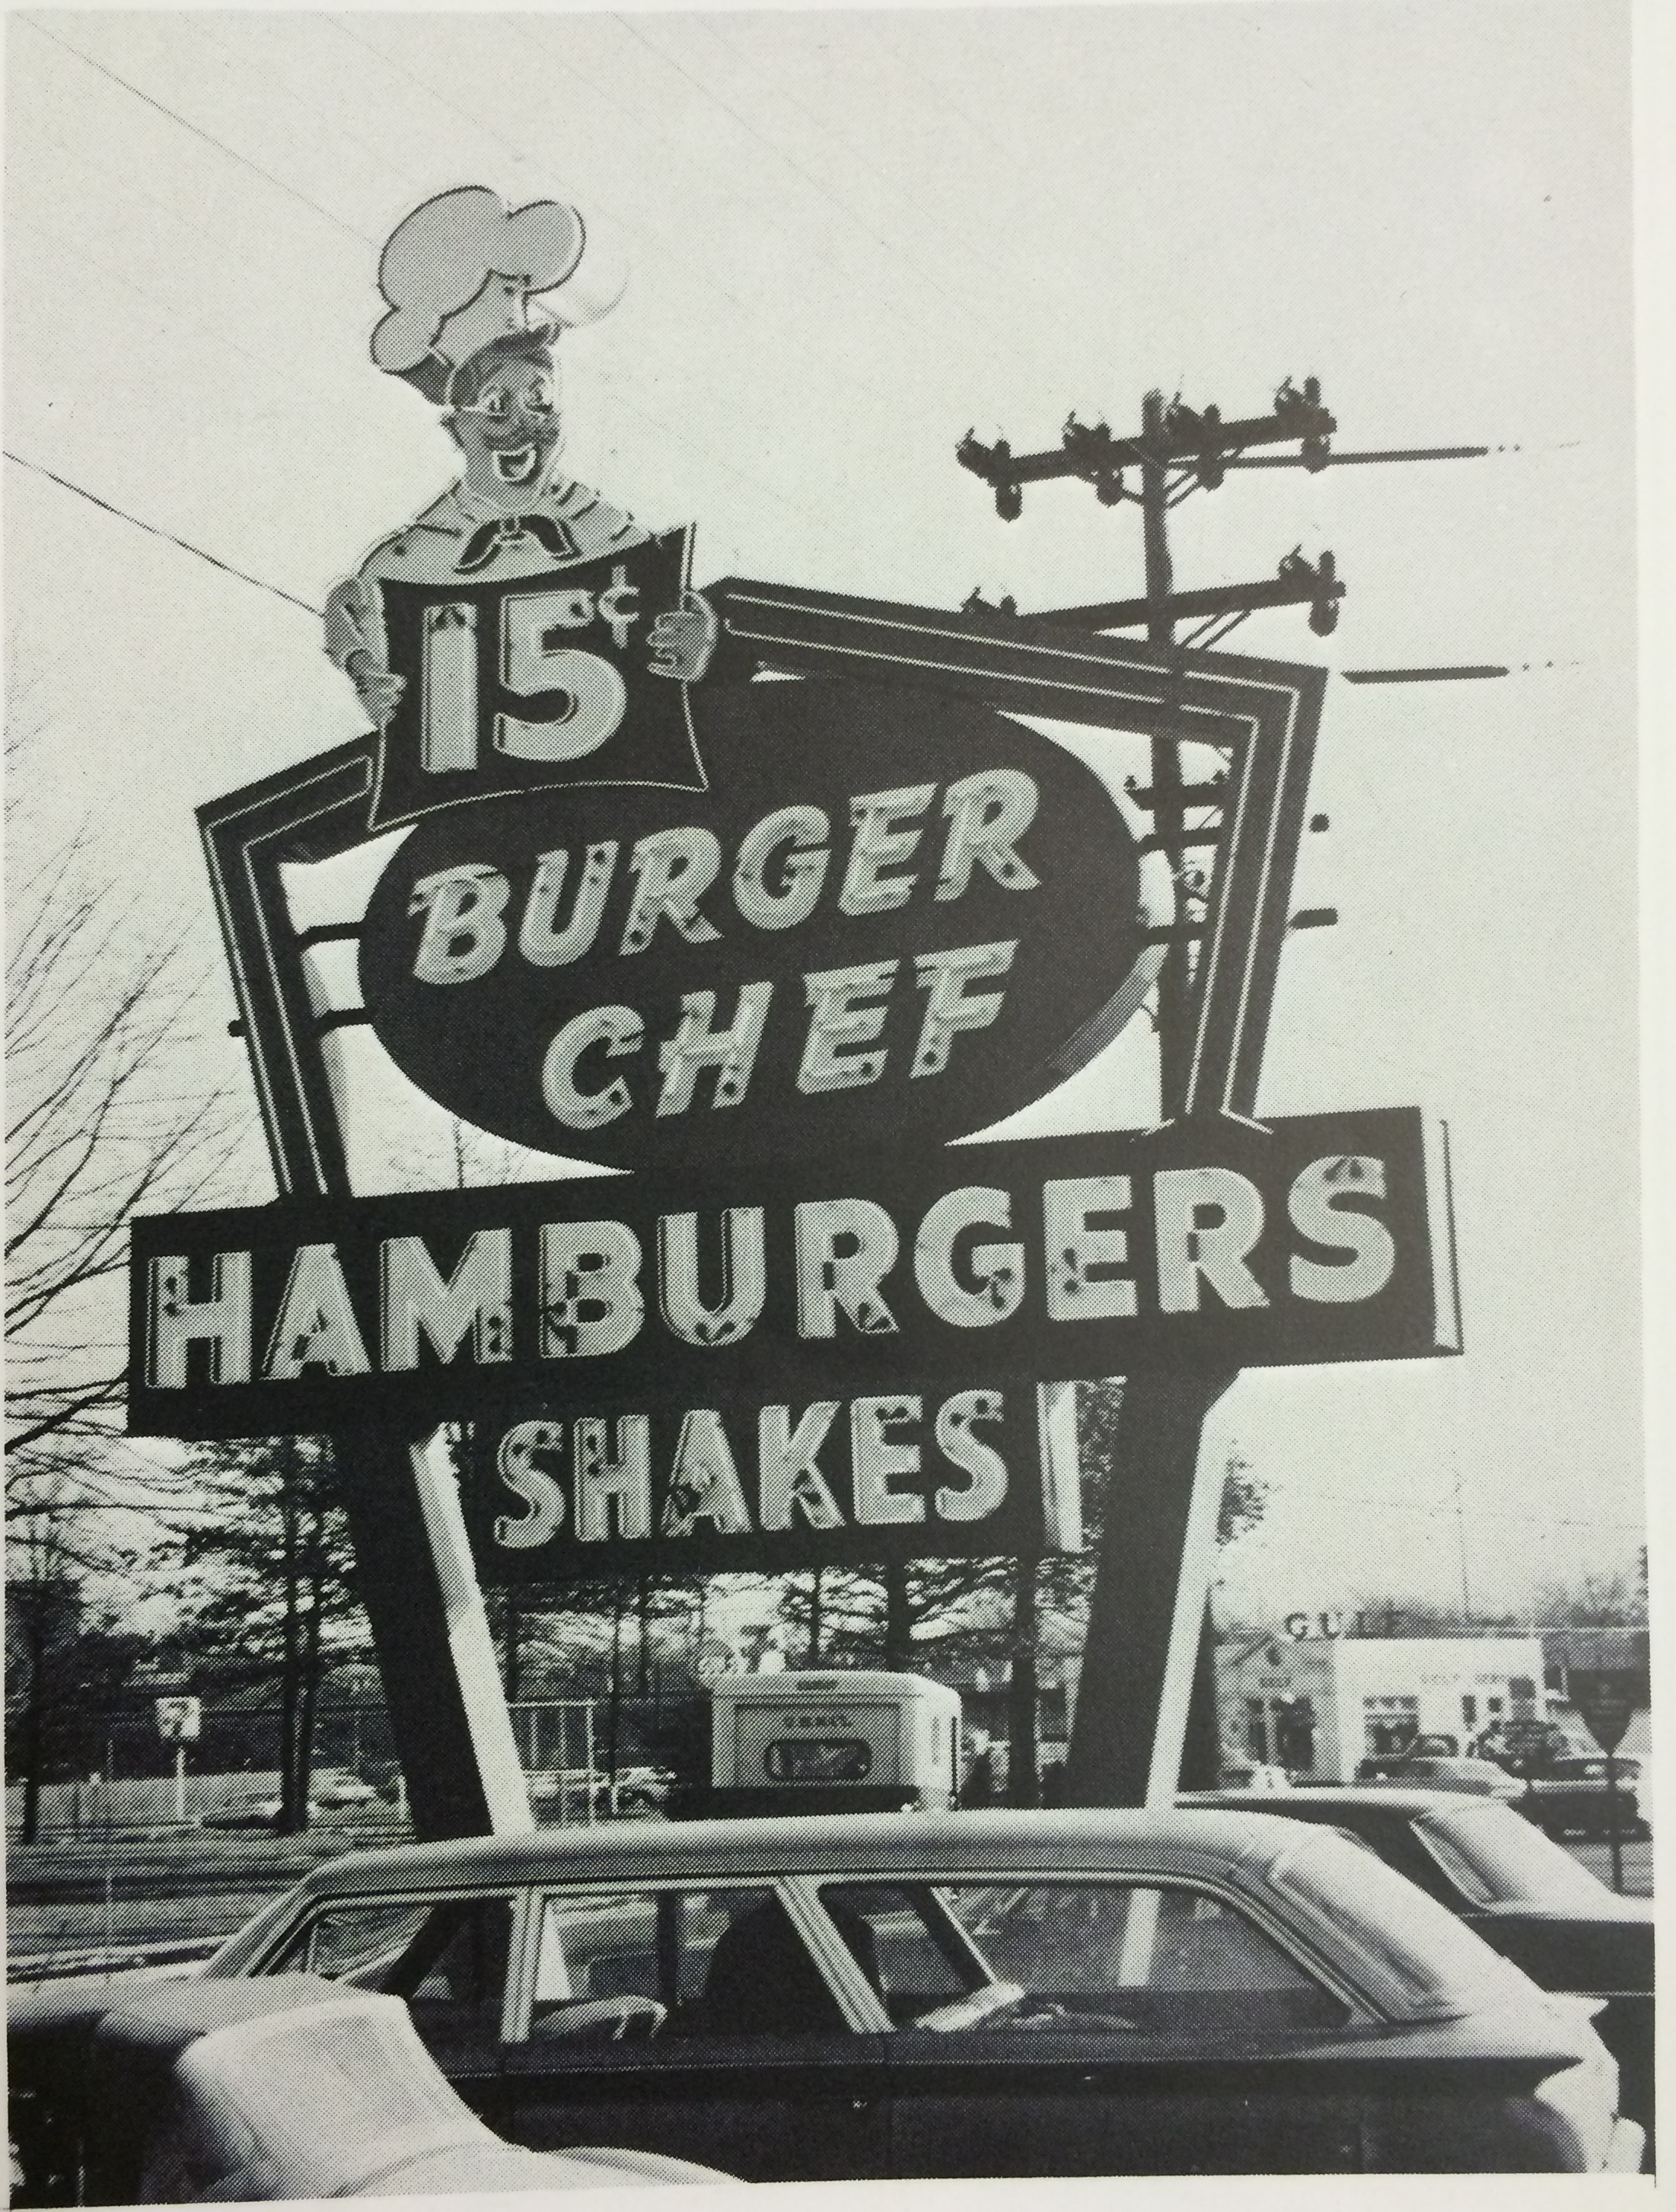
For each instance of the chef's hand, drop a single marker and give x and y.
(378, 689)
(683, 639)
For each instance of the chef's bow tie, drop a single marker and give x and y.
(487, 539)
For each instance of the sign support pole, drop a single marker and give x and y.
(1142, 1632)
(441, 1686)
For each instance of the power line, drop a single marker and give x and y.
(153, 530)
(1441, 1512)
(798, 169)
(244, 161)
(1418, 675)
(680, 258)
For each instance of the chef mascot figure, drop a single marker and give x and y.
(461, 276)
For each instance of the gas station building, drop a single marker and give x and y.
(1318, 1705)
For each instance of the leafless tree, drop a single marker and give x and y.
(103, 1008)
(103, 1012)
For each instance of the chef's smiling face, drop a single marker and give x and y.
(509, 430)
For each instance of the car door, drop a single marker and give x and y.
(693, 2020)
(1069, 2026)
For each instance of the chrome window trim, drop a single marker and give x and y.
(864, 2013)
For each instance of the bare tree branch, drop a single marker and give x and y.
(106, 1013)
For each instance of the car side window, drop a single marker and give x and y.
(615, 1965)
(352, 1943)
(1095, 1957)
(447, 1957)
(907, 1944)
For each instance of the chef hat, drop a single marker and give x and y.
(462, 270)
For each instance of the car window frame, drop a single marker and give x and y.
(316, 1909)
(1364, 2013)
(855, 2000)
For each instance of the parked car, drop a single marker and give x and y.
(1005, 1993)
(1521, 1893)
(234, 2091)
(642, 1791)
(334, 1790)
(329, 1791)
(571, 1785)
(1523, 1745)
(1414, 1770)
(1572, 1795)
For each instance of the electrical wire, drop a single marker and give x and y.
(985, 325)
(744, 477)
(155, 530)
(197, 131)
(1283, 1488)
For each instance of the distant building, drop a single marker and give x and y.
(1319, 1705)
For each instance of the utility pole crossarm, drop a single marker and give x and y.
(1177, 436)
(1345, 461)
(1299, 584)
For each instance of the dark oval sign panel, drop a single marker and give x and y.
(884, 918)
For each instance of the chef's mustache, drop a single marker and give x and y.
(500, 430)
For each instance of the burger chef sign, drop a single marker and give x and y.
(887, 920)
(645, 911)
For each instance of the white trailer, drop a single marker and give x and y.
(827, 1742)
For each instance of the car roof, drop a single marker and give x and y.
(1301, 1800)
(1070, 1841)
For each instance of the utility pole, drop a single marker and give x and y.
(1179, 450)
(1169, 813)
(1136, 1712)
(1461, 1546)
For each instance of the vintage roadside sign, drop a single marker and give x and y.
(1605, 1698)
(768, 1488)
(924, 662)
(886, 912)
(972, 1268)
(767, 896)
(180, 1719)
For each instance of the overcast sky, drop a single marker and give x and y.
(852, 236)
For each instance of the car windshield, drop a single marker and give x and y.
(1496, 1857)
(1440, 1967)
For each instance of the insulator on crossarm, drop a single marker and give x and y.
(1324, 608)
